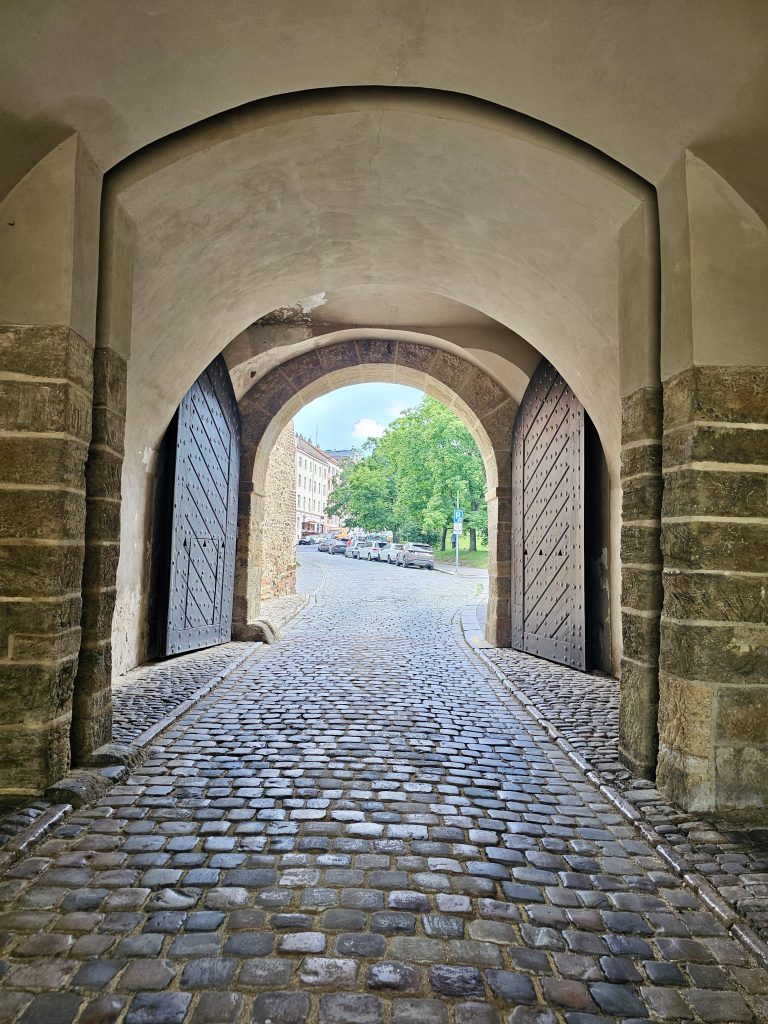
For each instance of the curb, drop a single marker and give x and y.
(99, 780)
(724, 911)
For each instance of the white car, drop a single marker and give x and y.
(389, 553)
(370, 550)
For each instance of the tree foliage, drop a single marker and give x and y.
(406, 480)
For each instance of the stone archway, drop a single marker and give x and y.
(482, 403)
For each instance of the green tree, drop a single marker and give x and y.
(406, 480)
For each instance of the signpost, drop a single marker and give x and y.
(458, 527)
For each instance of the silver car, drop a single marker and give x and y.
(352, 549)
(421, 556)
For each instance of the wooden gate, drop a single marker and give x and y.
(548, 617)
(204, 517)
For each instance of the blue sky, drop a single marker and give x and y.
(347, 417)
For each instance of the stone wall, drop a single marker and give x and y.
(45, 418)
(278, 570)
(713, 661)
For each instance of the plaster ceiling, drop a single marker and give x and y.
(358, 204)
(638, 80)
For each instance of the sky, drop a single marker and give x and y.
(347, 417)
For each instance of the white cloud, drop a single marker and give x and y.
(367, 427)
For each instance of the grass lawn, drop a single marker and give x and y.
(477, 559)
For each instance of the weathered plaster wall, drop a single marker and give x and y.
(278, 561)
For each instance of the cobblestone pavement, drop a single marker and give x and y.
(584, 708)
(143, 697)
(361, 826)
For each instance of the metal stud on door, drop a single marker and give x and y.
(548, 616)
(203, 528)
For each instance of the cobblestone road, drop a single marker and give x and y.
(360, 826)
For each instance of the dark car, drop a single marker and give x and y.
(338, 546)
(325, 544)
(306, 540)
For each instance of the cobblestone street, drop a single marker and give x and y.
(360, 825)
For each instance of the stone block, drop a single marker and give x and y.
(641, 544)
(101, 568)
(640, 634)
(57, 645)
(741, 783)
(481, 392)
(36, 694)
(36, 460)
(714, 652)
(707, 442)
(711, 493)
(103, 473)
(31, 758)
(98, 608)
(709, 544)
(91, 721)
(686, 716)
(110, 379)
(103, 520)
(641, 498)
(109, 429)
(686, 780)
(717, 393)
(499, 424)
(42, 514)
(273, 391)
(742, 715)
(641, 589)
(304, 370)
(377, 350)
(717, 596)
(47, 407)
(638, 715)
(641, 415)
(338, 357)
(36, 570)
(416, 356)
(55, 616)
(47, 351)
(95, 667)
(643, 457)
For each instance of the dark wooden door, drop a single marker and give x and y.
(204, 517)
(548, 522)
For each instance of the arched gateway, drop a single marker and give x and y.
(481, 402)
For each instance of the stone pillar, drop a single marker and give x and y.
(45, 415)
(92, 698)
(641, 591)
(48, 266)
(278, 542)
(246, 601)
(498, 625)
(713, 722)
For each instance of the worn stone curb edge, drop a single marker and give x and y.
(31, 836)
(712, 899)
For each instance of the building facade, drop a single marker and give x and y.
(316, 473)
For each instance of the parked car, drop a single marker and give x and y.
(370, 550)
(325, 544)
(389, 553)
(352, 548)
(307, 540)
(338, 546)
(420, 556)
